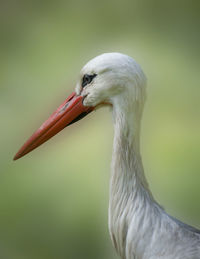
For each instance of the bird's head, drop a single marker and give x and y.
(109, 79)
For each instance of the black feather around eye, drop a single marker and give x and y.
(87, 79)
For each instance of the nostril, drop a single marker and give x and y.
(66, 105)
(71, 98)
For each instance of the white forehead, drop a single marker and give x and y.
(110, 61)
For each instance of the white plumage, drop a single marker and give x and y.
(139, 227)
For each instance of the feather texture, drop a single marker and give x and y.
(139, 227)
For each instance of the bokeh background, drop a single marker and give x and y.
(54, 201)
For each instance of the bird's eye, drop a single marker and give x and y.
(87, 79)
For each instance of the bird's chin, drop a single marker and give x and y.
(102, 104)
(92, 101)
(89, 102)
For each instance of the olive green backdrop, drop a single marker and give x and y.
(54, 201)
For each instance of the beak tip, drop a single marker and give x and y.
(17, 156)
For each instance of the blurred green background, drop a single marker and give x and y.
(53, 202)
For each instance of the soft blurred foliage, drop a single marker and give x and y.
(53, 202)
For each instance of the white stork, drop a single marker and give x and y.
(139, 227)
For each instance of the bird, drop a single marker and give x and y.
(139, 227)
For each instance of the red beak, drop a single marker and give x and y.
(67, 113)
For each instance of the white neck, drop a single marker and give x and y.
(129, 193)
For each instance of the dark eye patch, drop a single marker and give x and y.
(87, 79)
